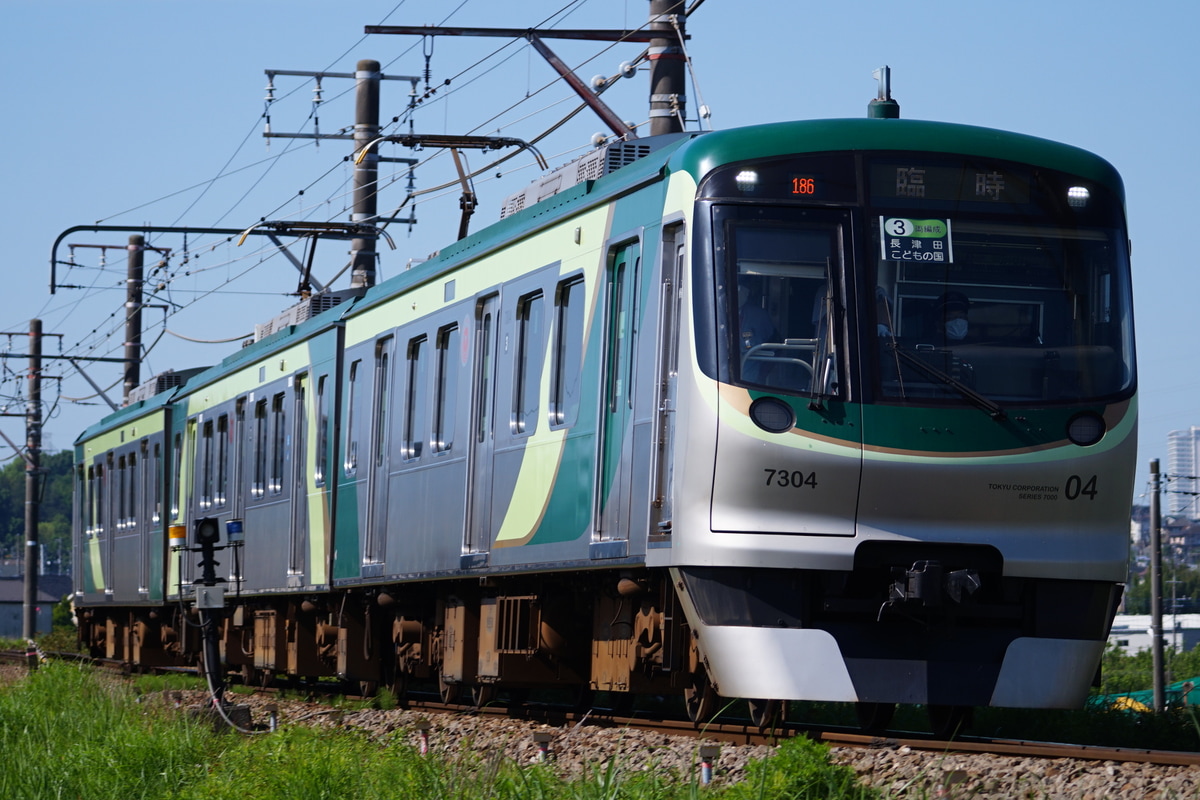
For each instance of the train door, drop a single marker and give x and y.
(483, 440)
(375, 537)
(616, 439)
(789, 447)
(298, 541)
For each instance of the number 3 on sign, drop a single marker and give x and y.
(898, 227)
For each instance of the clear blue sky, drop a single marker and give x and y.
(131, 113)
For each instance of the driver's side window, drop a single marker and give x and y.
(783, 306)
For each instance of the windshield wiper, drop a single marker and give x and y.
(975, 398)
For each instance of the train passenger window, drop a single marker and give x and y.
(156, 486)
(350, 465)
(567, 371)
(322, 464)
(131, 508)
(449, 345)
(486, 322)
(90, 505)
(98, 494)
(258, 486)
(121, 479)
(415, 402)
(176, 478)
(531, 350)
(206, 465)
(222, 470)
(382, 400)
(278, 442)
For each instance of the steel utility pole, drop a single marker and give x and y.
(1156, 609)
(365, 213)
(668, 67)
(33, 447)
(133, 313)
(366, 171)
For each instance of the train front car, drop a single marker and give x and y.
(915, 367)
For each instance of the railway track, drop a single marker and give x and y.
(733, 731)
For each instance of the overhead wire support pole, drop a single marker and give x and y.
(610, 118)
(366, 175)
(514, 33)
(667, 79)
(330, 230)
(668, 68)
(133, 314)
(1156, 609)
(33, 448)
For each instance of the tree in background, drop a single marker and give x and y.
(54, 515)
(1181, 591)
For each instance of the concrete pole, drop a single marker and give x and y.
(33, 444)
(1156, 609)
(366, 174)
(133, 313)
(668, 68)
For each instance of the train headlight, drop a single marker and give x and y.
(1078, 196)
(1086, 429)
(746, 180)
(772, 415)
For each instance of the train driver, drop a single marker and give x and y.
(951, 315)
(755, 328)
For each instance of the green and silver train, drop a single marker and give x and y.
(832, 410)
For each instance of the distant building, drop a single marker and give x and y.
(51, 589)
(1182, 486)
(1131, 632)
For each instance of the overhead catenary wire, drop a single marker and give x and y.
(171, 283)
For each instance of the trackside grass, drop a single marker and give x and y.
(68, 732)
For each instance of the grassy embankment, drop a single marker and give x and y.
(66, 731)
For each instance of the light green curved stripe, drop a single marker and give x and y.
(544, 449)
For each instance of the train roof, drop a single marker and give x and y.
(138, 409)
(717, 148)
(283, 337)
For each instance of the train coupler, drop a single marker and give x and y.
(928, 583)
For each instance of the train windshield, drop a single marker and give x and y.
(786, 266)
(996, 285)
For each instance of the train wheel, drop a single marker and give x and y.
(948, 721)
(483, 694)
(764, 713)
(449, 692)
(399, 687)
(874, 718)
(700, 697)
(250, 675)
